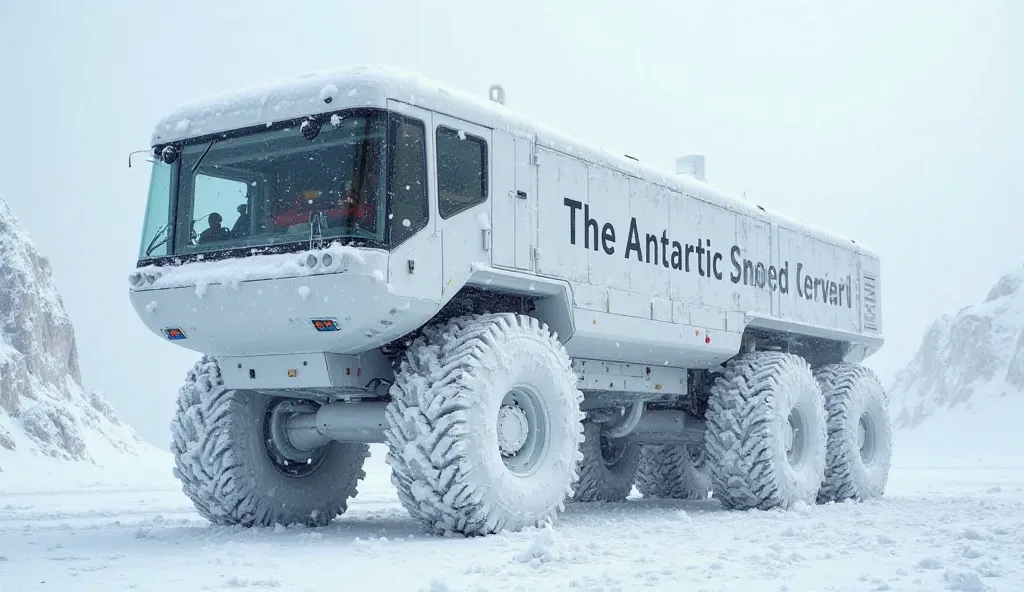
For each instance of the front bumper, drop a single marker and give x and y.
(276, 304)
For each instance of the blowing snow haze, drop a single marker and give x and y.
(961, 398)
(895, 124)
(872, 150)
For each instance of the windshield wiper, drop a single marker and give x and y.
(153, 244)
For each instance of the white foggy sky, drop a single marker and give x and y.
(898, 124)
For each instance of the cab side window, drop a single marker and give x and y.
(461, 171)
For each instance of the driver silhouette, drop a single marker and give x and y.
(215, 232)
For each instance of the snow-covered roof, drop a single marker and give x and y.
(372, 86)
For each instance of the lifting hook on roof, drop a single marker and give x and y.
(497, 94)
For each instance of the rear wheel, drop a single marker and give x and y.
(608, 467)
(766, 432)
(859, 433)
(676, 471)
(484, 426)
(235, 467)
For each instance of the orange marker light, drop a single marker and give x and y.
(325, 325)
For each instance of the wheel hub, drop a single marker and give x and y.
(285, 457)
(697, 455)
(866, 438)
(612, 450)
(794, 436)
(522, 430)
(513, 429)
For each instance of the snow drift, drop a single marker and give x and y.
(960, 401)
(47, 419)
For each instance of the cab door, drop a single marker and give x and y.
(464, 161)
(414, 268)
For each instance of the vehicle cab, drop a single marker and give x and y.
(303, 216)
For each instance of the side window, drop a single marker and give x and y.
(408, 209)
(461, 171)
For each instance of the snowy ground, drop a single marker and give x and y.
(937, 529)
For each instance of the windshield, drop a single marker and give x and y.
(275, 186)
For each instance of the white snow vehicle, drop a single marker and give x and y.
(365, 256)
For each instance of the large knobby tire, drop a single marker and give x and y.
(766, 432)
(608, 466)
(859, 434)
(224, 462)
(457, 387)
(674, 471)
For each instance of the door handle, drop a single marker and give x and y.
(521, 194)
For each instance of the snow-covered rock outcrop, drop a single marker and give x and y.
(961, 399)
(47, 419)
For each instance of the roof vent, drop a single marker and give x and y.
(497, 94)
(692, 164)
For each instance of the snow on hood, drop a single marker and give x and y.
(44, 411)
(963, 392)
(281, 265)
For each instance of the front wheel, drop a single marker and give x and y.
(484, 426)
(232, 463)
